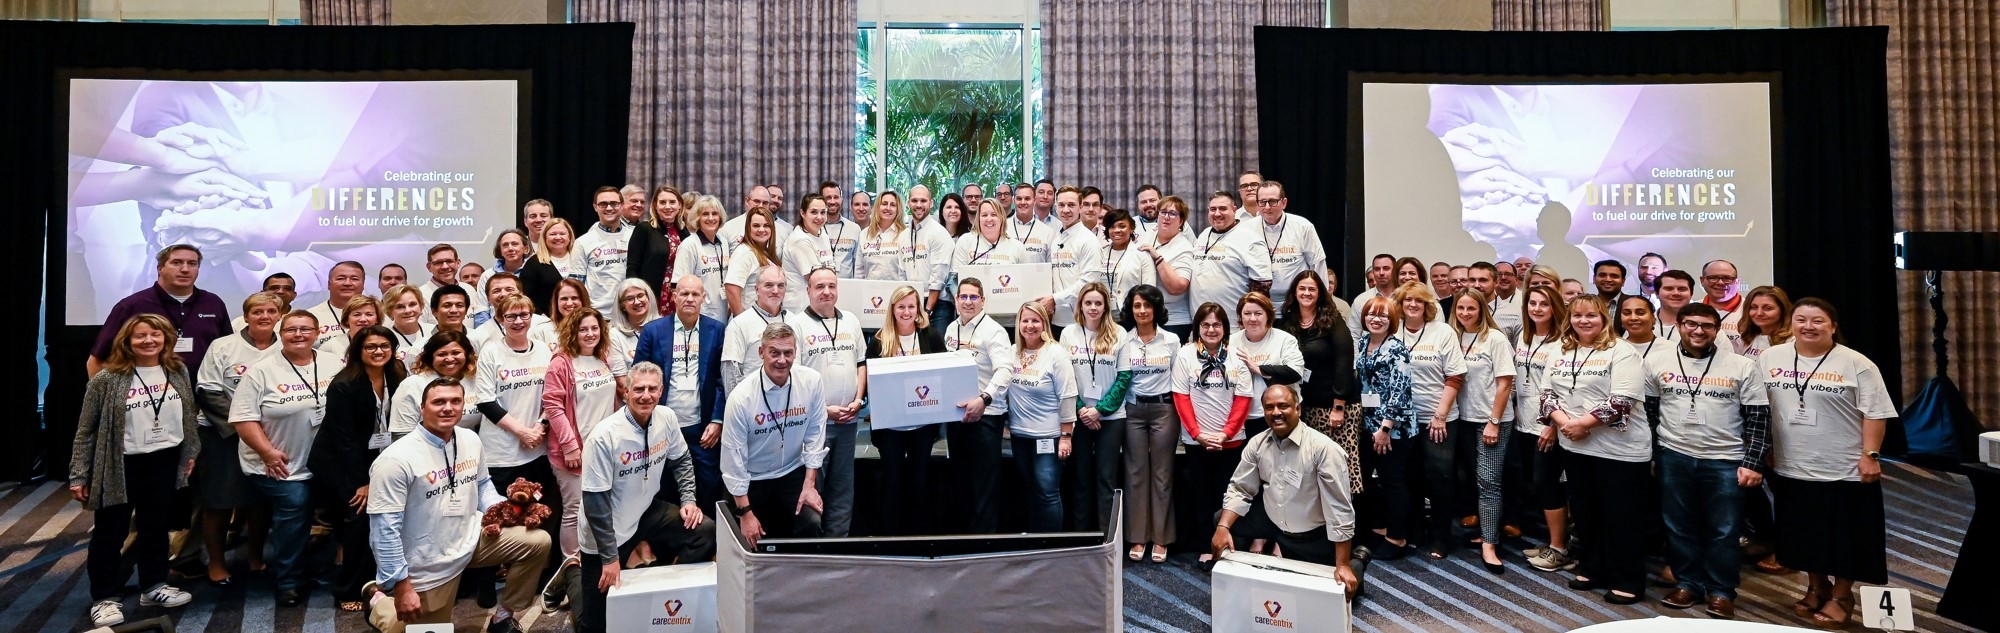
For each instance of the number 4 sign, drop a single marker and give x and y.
(1887, 608)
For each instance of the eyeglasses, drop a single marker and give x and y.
(1701, 326)
(1268, 203)
(1719, 279)
(447, 262)
(519, 316)
(377, 347)
(970, 297)
(609, 205)
(301, 330)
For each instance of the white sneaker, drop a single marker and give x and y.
(1552, 560)
(107, 613)
(164, 595)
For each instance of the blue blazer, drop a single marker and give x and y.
(656, 344)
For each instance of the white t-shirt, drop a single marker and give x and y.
(707, 262)
(1585, 379)
(624, 344)
(1179, 255)
(1278, 348)
(732, 231)
(1434, 356)
(513, 379)
(411, 346)
(989, 346)
(595, 390)
(833, 348)
(1507, 313)
(152, 412)
(1072, 264)
(629, 462)
(881, 257)
(1486, 361)
(1034, 391)
(431, 287)
(973, 249)
(489, 332)
(406, 406)
(1531, 366)
(603, 253)
(930, 258)
(801, 254)
(1293, 247)
(290, 401)
(229, 358)
(744, 267)
(1213, 394)
(1224, 266)
(842, 236)
(684, 386)
(1095, 372)
(329, 322)
(1656, 347)
(771, 430)
(1842, 388)
(1036, 237)
(1123, 271)
(1151, 362)
(1701, 401)
(1752, 348)
(744, 337)
(405, 478)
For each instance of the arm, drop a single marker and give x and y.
(813, 448)
(1239, 412)
(565, 435)
(1114, 396)
(1184, 406)
(684, 479)
(1652, 407)
(597, 515)
(83, 452)
(1280, 374)
(1336, 500)
(1756, 434)
(387, 540)
(1172, 279)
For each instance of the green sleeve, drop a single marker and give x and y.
(1114, 396)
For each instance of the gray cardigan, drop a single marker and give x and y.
(98, 457)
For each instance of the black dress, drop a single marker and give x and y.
(339, 462)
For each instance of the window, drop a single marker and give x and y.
(947, 106)
(1643, 15)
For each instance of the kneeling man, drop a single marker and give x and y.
(1306, 506)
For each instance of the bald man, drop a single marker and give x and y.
(688, 348)
(933, 249)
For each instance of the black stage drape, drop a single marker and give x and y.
(1832, 216)
(580, 82)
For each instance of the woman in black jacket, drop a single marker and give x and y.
(649, 257)
(903, 485)
(1331, 396)
(355, 431)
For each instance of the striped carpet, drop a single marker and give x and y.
(42, 537)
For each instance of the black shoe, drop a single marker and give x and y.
(1497, 569)
(1441, 548)
(291, 597)
(1613, 598)
(1580, 584)
(1389, 551)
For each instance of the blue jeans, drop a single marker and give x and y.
(1701, 505)
(291, 523)
(707, 468)
(1042, 476)
(836, 479)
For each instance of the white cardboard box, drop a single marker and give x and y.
(671, 599)
(868, 299)
(1009, 285)
(1989, 448)
(917, 390)
(1261, 594)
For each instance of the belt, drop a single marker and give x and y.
(1165, 398)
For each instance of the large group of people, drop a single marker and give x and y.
(667, 362)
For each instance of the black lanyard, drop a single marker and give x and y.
(833, 333)
(909, 349)
(979, 254)
(1576, 369)
(156, 403)
(446, 449)
(645, 445)
(1412, 346)
(1025, 233)
(1537, 350)
(687, 345)
(964, 342)
(310, 386)
(1269, 249)
(778, 416)
(406, 338)
(1111, 265)
(1694, 390)
(1214, 237)
(1806, 379)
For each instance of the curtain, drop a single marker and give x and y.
(344, 12)
(1548, 15)
(731, 93)
(1156, 92)
(1944, 129)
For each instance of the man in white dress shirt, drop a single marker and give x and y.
(1291, 488)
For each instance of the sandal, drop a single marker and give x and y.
(1808, 605)
(352, 606)
(1824, 621)
(1159, 554)
(1138, 552)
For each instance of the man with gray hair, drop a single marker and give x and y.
(739, 341)
(624, 505)
(634, 210)
(688, 347)
(774, 443)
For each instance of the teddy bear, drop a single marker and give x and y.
(520, 508)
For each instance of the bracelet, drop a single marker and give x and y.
(1222, 526)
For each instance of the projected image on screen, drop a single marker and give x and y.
(281, 176)
(1567, 175)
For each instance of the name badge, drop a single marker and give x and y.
(1371, 400)
(183, 345)
(1691, 417)
(454, 501)
(1802, 417)
(1045, 446)
(157, 434)
(1292, 478)
(319, 414)
(378, 440)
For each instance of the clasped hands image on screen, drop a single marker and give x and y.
(280, 176)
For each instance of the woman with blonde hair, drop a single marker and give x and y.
(1102, 382)
(882, 251)
(1437, 373)
(1480, 452)
(1542, 275)
(759, 249)
(1039, 386)
(405, 305)
(1591, 395)
(558, 250)
(903, 484)
(362, 311)
(1767, 321)
(135, 445)
(705, 258)
(1537, 453)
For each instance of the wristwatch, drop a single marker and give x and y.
(739, 511)
(1872, 454)
(986, 397)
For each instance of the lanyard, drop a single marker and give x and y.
(907, 346)
(1025, 233)
(406, 338)
(156, 403)
(1694, 390)
(1269, 249)
(1807, 378)
(687, 347)
(1576, 369)
(1537, 351)
(382, 409)
(450, 462)
(835, 244)
(833, 333)
(1111, 265)
(1412, 346)
(645, 445)
(310, 386)
(979, 254)
(778, 415)
(963, 342)
(1214, 238)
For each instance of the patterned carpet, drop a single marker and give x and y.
(42, 535)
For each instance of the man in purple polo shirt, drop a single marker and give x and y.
(200, 316)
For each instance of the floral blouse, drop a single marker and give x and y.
(1385, 373)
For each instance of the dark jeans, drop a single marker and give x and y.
(1390, 502)
(1310, 546)
(1535, 478)
(707, 468)
(902, 486)
(291, 524)
(946, 311)
(1201, 475)
(836, 478)
(776, 502)
(1042, 475)
(149, 490)
(975, 457)
(1701, 504)
(1095, 467)
(1609, 500)
(673, 543)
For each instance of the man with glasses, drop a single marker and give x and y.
(1003, 193)
(1714, 425)
(832, 346)
(972, 193)
(287, 288)
(603, 250)
(1718, 278)
(1292, 241)
(760, 197)
(442, 262)
(1246, 190)
(1228, 260)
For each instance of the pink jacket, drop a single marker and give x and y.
(558, 401)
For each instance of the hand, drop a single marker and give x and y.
(1049, 303)
(1749, 477)
(1221, 542)
(1090, 418)
(1254, 369)
(572, 459)
(1575, 430)
(1871, 470)
(1548, 439)
(711, 436)
(691, 516)
(1491, 436)
(79, 493)
(529, 435)
(1345, 574)
(274, 464)
(200, 141)
(609, 578)
(188, 470)
(1382, 442)
(1148, 250)
(360, 499)
(1062, 447)
(1338, 418)
(752, 529)
(809, 497)
(974, 408)
(409, 606)
(209, 188)
(1439, 433)
(1475, 146)
(1212, 440)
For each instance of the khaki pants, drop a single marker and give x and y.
(525, 552)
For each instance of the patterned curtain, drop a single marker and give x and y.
(1549, 15)
(731, 93)
(344, 12)
(1944, 139)
(1155, 91)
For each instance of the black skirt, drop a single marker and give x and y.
(219, 481)
(1834, 528)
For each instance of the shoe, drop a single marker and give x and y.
(107, 613)
(1441, 548)
(1721, 608)
(1469, 522)
(1386, 550)
(1613, 598)
(164, 595)
(1679, 599)
(1769, 565)
(1159, 554)
(557, 588)
(1824, 621)
(1497, 569)
(1666, 578)
(483, 591)
(1510, 531)
(1582, 584)
(291, 597)
(1137, 552)
(225, 582)
(1551, 559)
(1532, 552)
(504, 625)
